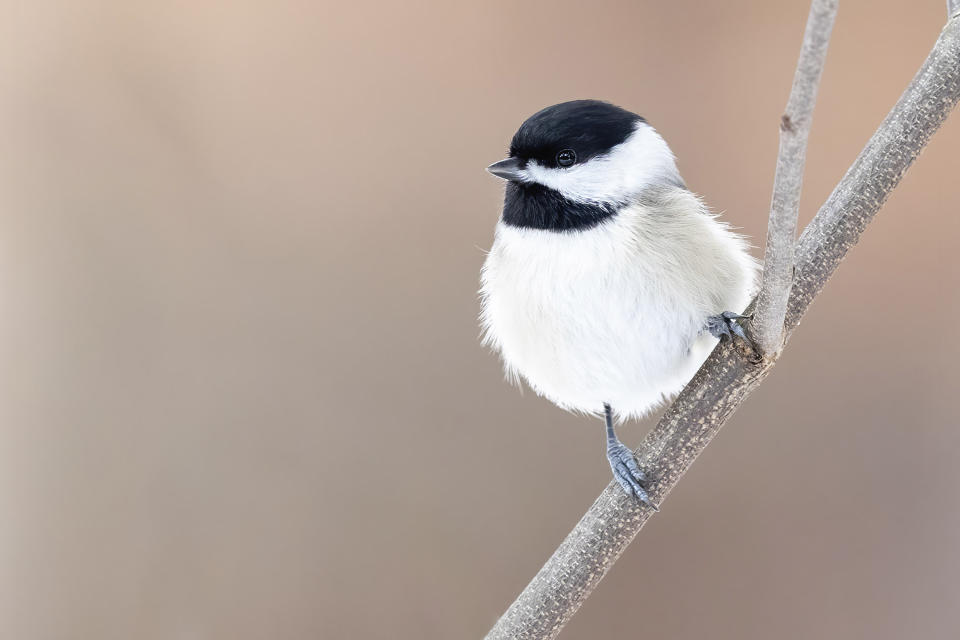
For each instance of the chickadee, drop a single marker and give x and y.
(608, 282)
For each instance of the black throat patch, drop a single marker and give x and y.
(535, 206)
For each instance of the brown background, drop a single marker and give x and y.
(241, 390)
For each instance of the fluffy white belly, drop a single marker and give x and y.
(614, 314)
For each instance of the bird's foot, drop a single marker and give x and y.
(726, 325)
(627, 472)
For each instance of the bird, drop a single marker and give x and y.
(608, 282)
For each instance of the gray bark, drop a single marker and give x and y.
(730, 373)
(766, 329)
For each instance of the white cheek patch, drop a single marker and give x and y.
(644, 159)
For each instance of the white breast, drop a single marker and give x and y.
(613, 314)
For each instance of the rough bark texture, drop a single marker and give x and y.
(771, 308)
(729, 374)
(953, 8)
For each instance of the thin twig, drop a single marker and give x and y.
(766, 329)
(728, 376)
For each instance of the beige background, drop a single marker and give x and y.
(241, 390)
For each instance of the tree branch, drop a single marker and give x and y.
(728, 376)
(766, 329)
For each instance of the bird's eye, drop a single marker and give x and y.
(566, 157)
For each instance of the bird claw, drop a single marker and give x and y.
(627, 473)
(726, 325)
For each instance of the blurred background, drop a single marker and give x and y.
(241, 390)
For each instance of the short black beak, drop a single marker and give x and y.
(509, 169)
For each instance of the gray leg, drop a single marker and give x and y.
(624, 465)
(725, 324)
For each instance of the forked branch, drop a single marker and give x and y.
(766, 328)
(728, 375)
